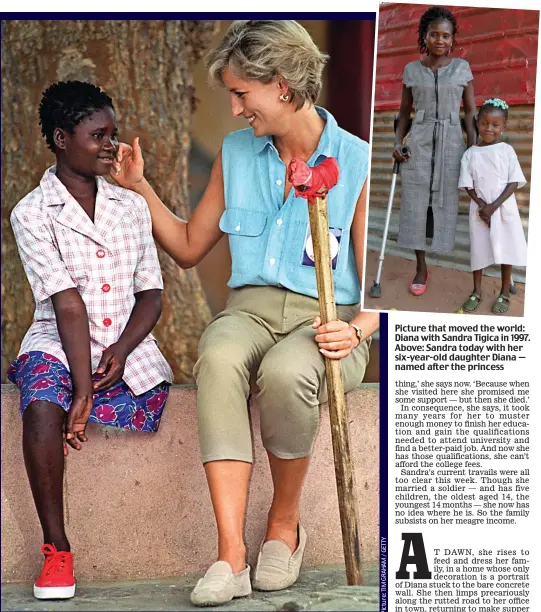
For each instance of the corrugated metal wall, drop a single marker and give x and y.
(519, 134)
(501, 46)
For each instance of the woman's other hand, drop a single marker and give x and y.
(128, 168)
(81, 407)
(336, 339)
(398, 155)
(110, 368)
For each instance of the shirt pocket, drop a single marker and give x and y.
(73, 249)
(243, 222)
(245, 228)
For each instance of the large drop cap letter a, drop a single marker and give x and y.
(418, 558)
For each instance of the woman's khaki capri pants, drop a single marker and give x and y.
(266, 334)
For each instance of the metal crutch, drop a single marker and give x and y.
(375, 290)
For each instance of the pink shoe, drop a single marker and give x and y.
(417, 289)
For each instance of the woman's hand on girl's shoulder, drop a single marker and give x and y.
(336, 339)
(128, 169)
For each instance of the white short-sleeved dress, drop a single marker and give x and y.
(488, 170)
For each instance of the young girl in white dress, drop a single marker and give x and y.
(490, 173)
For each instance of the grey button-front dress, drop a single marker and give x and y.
(430, 176)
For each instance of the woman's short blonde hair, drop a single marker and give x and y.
(259, 50)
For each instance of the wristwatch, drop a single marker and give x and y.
(358, 332)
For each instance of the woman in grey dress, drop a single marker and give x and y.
(435, 86)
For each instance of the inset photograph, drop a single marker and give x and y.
(451, 159)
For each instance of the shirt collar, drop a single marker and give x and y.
(325, 146)
(56, 194)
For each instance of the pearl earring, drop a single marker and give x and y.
(284, 97)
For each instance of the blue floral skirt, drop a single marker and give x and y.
(43, 377)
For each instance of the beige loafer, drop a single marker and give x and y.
(277, 568)
(220, 585)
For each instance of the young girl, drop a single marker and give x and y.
(490, 173)
(90, 259)
(435, 85)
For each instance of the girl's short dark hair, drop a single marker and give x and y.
(496, 104)
(66, 103)
(435, 13)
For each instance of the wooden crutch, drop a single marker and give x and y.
(313, 184)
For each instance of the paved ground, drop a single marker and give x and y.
(447, 289)
(317, 589)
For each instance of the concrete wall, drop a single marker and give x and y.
(138, 504)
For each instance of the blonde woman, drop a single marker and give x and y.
(270, 329)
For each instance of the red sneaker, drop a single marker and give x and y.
(56, 580)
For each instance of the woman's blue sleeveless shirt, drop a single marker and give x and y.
(270, 239)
